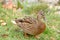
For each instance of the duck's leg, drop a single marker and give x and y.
(25, 35)
(37, 36)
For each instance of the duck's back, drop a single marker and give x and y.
(33, 28)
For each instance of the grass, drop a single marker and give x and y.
(10, 31)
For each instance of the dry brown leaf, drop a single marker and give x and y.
(52, 38)
(4, 35)
(3, 23)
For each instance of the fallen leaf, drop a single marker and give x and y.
(1, 20)
(4, 35)
(52, 38)
(3, 23)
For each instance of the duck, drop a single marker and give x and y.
(31, 25)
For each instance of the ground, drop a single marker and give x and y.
(11, 31)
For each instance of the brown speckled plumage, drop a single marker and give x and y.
(32, 26)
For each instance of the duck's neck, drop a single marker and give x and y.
(39, 18)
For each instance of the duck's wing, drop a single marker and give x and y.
(31, 20)
(28, 28)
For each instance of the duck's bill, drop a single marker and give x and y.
(13, 21)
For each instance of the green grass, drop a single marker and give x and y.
(14, 33)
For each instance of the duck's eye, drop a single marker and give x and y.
(20, 20)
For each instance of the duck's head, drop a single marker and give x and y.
(16, 21)
(41, 15)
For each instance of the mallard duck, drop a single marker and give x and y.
(31, 25)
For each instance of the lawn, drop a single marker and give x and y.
(11, 31)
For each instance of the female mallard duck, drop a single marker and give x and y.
(32, 26)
